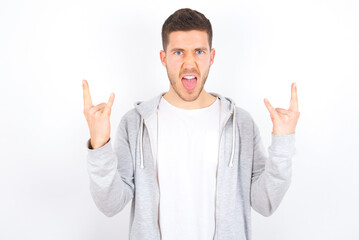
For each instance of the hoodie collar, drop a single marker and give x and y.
(147, 108)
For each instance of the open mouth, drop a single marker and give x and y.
(189, 82)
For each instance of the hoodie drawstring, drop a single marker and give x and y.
(233, 135)
(141, 151)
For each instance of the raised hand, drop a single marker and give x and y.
(98, 118)
(285, 121)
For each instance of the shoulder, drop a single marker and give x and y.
(243, 116)
(245, 122)
(130, 120)
(131, 115)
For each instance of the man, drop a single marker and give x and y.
(192, 162)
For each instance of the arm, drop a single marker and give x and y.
(110, 172)
(271, 176)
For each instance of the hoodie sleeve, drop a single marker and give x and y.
(271, 176)
(110, 172)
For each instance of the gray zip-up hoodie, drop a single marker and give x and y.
(246, 176)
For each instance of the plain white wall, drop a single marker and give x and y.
(48, 47)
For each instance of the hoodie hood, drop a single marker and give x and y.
(147, 108)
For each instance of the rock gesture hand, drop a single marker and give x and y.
(285, 121)
(98, 118)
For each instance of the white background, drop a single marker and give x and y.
(48, 47)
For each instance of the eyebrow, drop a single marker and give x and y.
(196, 49)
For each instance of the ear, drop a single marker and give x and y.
(163, 57)
(213, 52)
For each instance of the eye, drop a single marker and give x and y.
(178, 52)
(199, 51)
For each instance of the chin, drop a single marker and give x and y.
(189, 96)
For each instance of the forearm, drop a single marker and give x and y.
(109, 192)
(271, 182)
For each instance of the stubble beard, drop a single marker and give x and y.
(173, 82)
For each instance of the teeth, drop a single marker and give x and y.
(189, 77)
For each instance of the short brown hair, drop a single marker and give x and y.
(186, 19)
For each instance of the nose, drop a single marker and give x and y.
(189, 61)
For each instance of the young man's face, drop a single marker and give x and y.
(187, 60)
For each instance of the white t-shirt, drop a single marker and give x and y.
(187, 165)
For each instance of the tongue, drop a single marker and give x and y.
(189, 84)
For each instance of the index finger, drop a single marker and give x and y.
(87, 95)
(271, 109)
(110, 103)
(294, 99)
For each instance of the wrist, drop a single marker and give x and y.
(96, 145)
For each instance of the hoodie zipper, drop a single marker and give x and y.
(219, 145)
(158, 185)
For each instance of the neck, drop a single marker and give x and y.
(204, 100)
